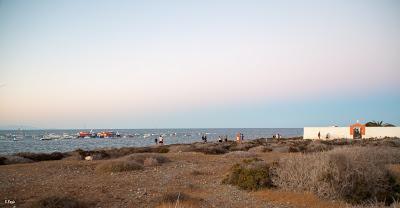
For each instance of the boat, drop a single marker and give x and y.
(87, 134)
(108, 134)
(67, 136)
(50, 136)
(17, 137)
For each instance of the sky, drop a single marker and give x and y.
(198, 64)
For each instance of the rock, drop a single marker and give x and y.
(89, 158)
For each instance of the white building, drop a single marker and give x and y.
(355, 131)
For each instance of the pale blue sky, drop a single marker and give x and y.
(157, 64)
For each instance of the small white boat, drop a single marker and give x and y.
(50, 136)
(17, 137)
(67, 136)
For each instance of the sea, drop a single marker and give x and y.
(14, 141)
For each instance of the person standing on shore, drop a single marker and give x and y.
(226, 138)
(238, 137)
(319, 135)
(156, 140)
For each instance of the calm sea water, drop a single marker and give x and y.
(29, 140)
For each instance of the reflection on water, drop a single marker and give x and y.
(30, 140)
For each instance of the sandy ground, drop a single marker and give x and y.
(26, 183)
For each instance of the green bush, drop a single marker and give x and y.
(249, 176)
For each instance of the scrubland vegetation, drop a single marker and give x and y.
(359, 173)
(355, 175)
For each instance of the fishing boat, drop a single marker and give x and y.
(108, 134)
(87, 134)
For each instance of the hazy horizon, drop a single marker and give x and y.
(187, 64)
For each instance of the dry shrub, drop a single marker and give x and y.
(150, 162)
(162, 150)
(240, 154)
(181, 148)
(259, 149)
(317, 146)
(241, 146)
(58, 202)
(178, 199)
(120, 152)
(281, 149)
(114, 166)
(354, 174)
(41, 156)
(148, 159)
(9, 159)
(210, 148)
(339, 142)
(95, 154)
(249, 176)
(393, 142)
(251, 160)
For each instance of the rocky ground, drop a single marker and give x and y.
(193, 174)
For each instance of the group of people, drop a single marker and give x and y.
(239, 138)
(160, 140)
(204, 138)
(225, 139)
(276, 136)
(326, 137)
(220, 138)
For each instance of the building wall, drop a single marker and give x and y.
(334, 132)
(380, 132)
(344, 132)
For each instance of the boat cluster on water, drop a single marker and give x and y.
(87, 134)
(54, 136)
(103, 134)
